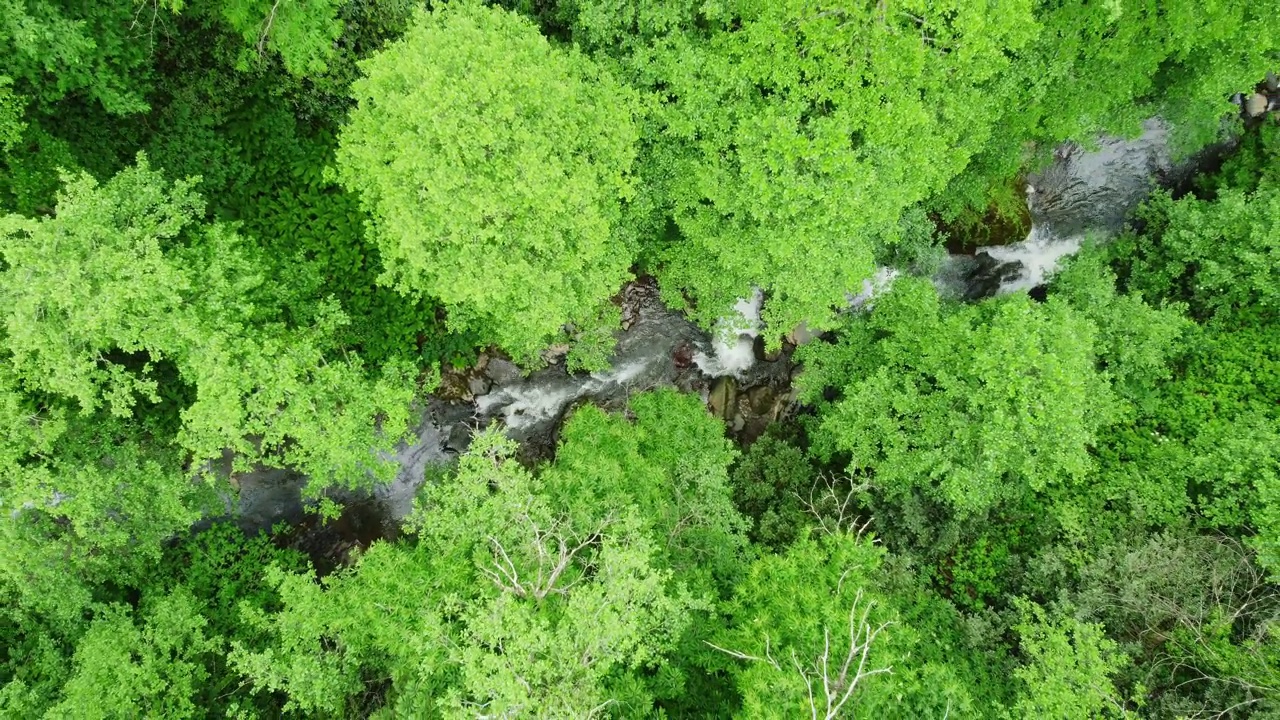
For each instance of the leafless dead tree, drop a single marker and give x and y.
(554, 551)
(1175, 594)
(266, 29)
(830, 682)
(832, 500)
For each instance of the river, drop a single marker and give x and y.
(1083, 191)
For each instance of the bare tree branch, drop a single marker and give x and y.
(838, 687)
(266, 29)
(833, 505)
(552, 555)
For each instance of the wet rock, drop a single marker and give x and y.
(757, 408)
(792, 397)
(1273, 82)
(987, 275)
(635, 296)
(502, 372)
(630, 313)
(555, 353)
(268, 496)
(723, 400)
(759, 349)
(454, 386)
(458, 439)
(478, 385)
(1255, 105)
(760, 400)
(682, 357)
(801, 335)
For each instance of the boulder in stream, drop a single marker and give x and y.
(502, 371)
(723, 399)
(801, 335)
(1255, 105)
(478, 384)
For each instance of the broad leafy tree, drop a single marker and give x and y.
(783, 131)
(789, 131)
(1068, 670)
(813, 633)
(493, 165)
(140, 343)
(553, 593)
(969, 406)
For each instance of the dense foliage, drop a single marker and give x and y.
(245, 238)
(492, 165)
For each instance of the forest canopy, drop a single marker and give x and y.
(310, 406)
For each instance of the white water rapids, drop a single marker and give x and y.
(1083, 192)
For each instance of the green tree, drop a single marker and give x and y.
(133, 281)
(552, 594)
(671, 462)
(1180, 61)
(1136, 341)
(303, 32)
(787, 132)
(493, 165)
(152, 670)
(775, 485)
(625, 26)
(1205, 436)
(139, 343)
(784, 131)
(971, 406)
(1221, 256)
(11, 125)
(154, 645)
(814, 632)
(52, 48)
(1068, 669)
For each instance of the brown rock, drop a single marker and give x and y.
(723, 399)
(555, 353)
(800, 335)
(453, 386)
(1255, 105)
(682, 357)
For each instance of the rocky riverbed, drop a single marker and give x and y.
(1084, 191)
(658, 348)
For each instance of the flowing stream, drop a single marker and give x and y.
(1083, 191)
